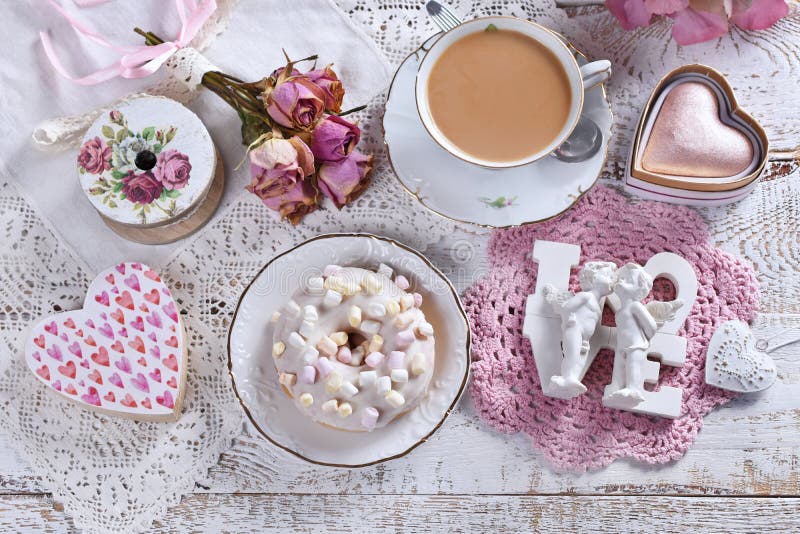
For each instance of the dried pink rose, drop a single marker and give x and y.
(95, 156)
(141, 188)
(173, 169)
(757, 14)
(695, 21)
(343, 181)
(296, 102)
(280, 169)
(334, 138)
(330, 84)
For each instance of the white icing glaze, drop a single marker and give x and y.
(356, 384)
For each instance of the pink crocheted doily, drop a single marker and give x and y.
(582, 434)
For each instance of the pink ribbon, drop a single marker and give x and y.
(135, 61)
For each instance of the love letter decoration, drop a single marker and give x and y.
(544, 327)
(122, 354)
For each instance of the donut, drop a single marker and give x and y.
(352, 348)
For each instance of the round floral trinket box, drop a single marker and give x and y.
(150, 168)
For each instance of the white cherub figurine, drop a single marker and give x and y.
(580, 315)
(637, 323)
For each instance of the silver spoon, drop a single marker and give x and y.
(584, 141)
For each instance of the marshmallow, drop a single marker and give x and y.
(424, 329)
(296, 340)
(357, 355)
(404, 319)
(306, 329)
(397, 359)
(367, 378)
(308, 375)
(288, 379)
(327, 347)
(348, 389)
(399, 375)
(292, 308)
(372, 284)
(278, 348)
(315, 285)
(310, 355)
(330, 406)
(406, 301)
(369, 417)
(417, 300)
(392, 307)
(376, 309)
(395, 398)
(306, 400)
(333, 382)
(385, 270)
(419, 364)
(324, 367)
(384, 385)
(310, 313)
(401, 282)
(344, 285)
(370, 327)
(344, 355)
(340, 338)
(375, 359)
(404, 338)
(345, 409)
(354, 316)
(275, 316)
(331, 270)
(332, 298)
(375, 344)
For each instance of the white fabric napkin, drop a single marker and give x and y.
(249, 48)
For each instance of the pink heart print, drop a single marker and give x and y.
(120, 371)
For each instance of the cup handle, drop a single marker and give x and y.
(595, 73)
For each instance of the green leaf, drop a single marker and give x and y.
(122, 196)
(148, 133)
(118, 187)
(119, 175)
(491, 28)
(122, 134)
(158, 147)
(108, 131)
(163, 195)
(172, 193)
(252, 128)
(111, 203)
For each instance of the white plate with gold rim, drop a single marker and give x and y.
(253, 372)
(468, 193)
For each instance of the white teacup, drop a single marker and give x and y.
(580, 79)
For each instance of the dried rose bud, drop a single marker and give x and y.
(295, 102)
(280, 169)
(343, 181)
(330, 84)
(334, 139)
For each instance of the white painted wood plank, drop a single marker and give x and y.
(439, 513)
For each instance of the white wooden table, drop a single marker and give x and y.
(742, 474)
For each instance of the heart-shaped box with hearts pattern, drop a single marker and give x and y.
(693, 144)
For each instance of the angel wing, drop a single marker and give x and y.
(555, 297)
(663, 311)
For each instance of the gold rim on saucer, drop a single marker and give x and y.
(435, 271)
(577, 195)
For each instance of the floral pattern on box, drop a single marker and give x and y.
(136, 163)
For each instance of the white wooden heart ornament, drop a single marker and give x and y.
(734, 363)
(123, 353)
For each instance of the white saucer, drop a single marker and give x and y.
(465, 192)
(253, 372)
